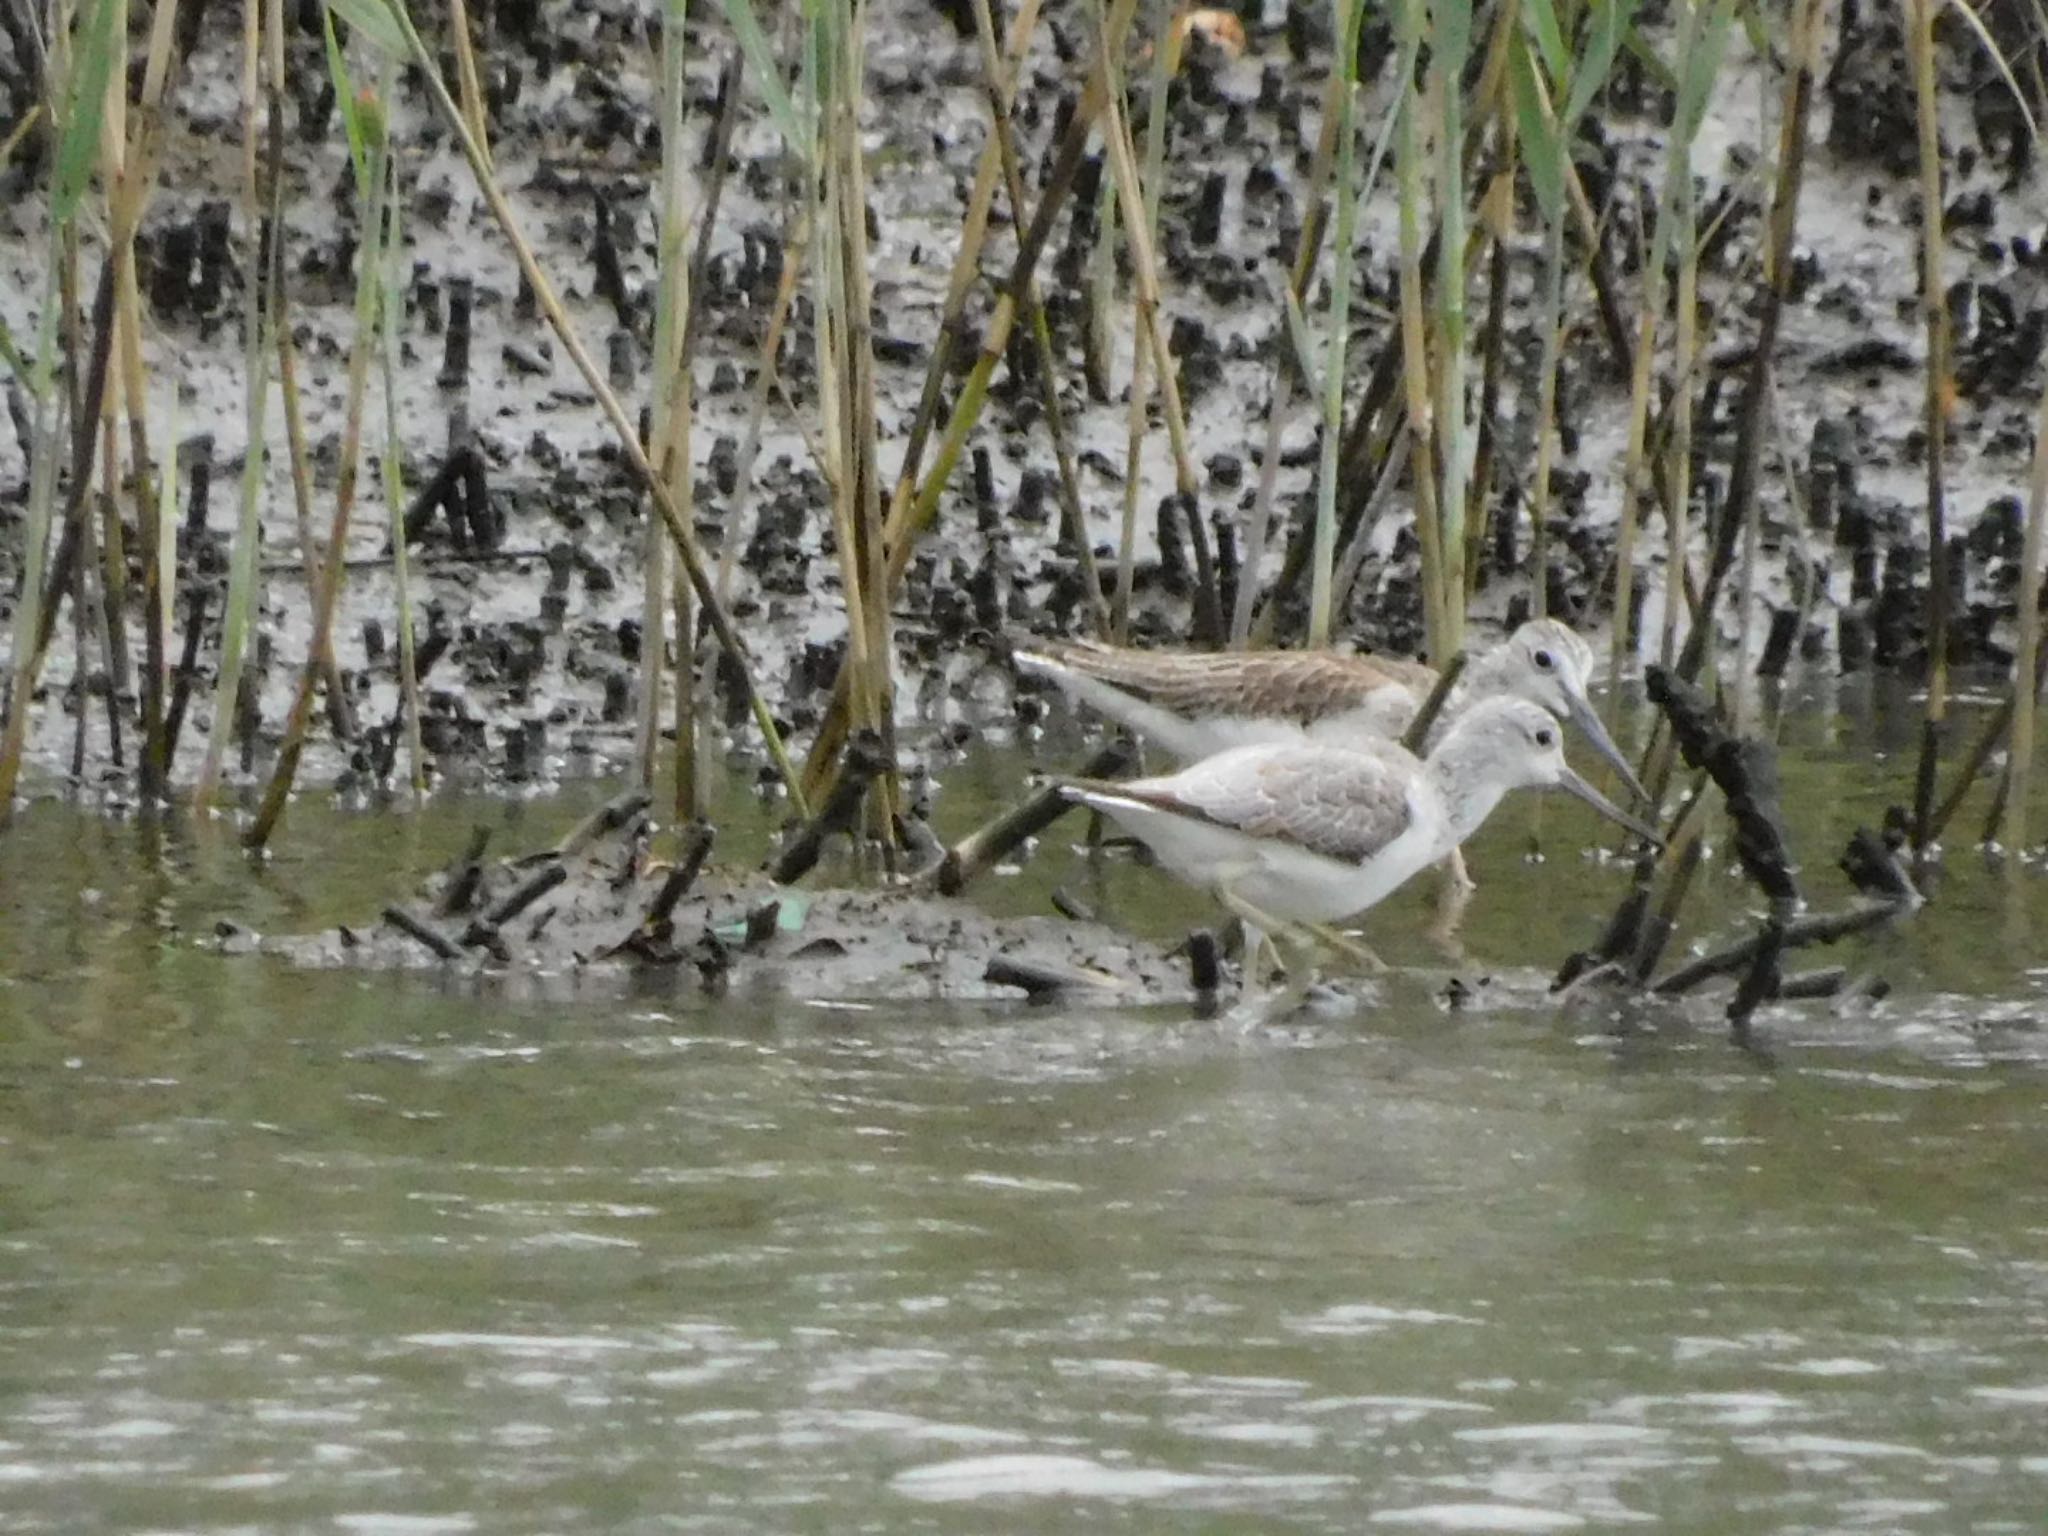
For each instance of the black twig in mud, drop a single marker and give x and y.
(1745, 772)
(1874, 867)
(436, 943)
(865, 760)
(188, 668)
(1656, 932)
(84, 440)
(652, 939)
(449, 493)
(1416, 737)
(989, 843)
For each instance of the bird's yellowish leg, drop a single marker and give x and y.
(1346, 946)
(1260, 930)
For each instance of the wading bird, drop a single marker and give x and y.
(1303, 832)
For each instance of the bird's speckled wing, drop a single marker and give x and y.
(1269, 685)
(1340, 803)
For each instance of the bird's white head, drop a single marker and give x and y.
(1546, 664)
(1507, 743)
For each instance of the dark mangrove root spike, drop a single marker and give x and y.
(865, 760)
(469, 875)
(697, 841)
(1205, 962)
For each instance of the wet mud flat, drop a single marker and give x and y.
(599, 898)
(528, 532)
(597, 905)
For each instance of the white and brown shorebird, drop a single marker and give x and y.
(1307, 832)
(1193, 704)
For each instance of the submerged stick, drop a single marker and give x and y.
(991, 842)
(1823, 928)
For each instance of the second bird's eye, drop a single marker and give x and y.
(1543, 738)
(1543, 660)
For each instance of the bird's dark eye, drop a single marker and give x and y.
(1544, 738)
(1543, 660)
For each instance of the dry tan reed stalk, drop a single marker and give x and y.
(550, 304)
(133, 185)
(1920, 16)
(466, 77)
(1415, 372)
(1337, 337)
(258, 314)
(2026, 678)
(1497, 218)
(1123, 163)
(669, 415)
(327, 592)
(999, 88)
(966, 269)
(1307, 246)
(1803, 57)
(390, 320)
(909, 517)
(1449, 45)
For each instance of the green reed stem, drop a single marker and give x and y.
(1350, 17)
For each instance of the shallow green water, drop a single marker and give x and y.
(291, 1252)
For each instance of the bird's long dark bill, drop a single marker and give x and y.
(1572, 784)
(1587, 719)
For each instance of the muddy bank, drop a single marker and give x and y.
(598, 906)
(527, 531)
